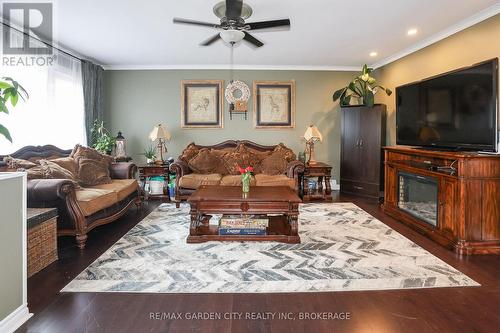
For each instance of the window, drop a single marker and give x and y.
(54, 112)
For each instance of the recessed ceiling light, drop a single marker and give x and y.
(412, 32)
(373, 54)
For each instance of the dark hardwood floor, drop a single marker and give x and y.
(473, 309)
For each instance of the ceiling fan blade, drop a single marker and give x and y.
(193, 22)
(269, 24)
(210, 40)
(233, 9)
(251, 39)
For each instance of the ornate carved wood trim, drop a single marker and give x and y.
(38, 151)
(235, 143)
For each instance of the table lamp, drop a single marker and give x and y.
(312, 135)
(160, 134)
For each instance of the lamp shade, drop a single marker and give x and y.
(159, 132)
(312, 132)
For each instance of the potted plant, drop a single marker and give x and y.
(150, 154)
(102, 141)
(10, 91)
(362, 88)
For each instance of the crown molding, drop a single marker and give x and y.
(237, 67)
(462, 25)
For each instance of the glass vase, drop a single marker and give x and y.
(245, 183)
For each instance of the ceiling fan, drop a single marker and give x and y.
(232, 15)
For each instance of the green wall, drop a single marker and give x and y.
(137, 100)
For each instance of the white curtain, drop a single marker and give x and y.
(54, 112)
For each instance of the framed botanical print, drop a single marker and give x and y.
(274, 104)
(201, 104)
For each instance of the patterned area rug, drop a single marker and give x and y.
(343, 248)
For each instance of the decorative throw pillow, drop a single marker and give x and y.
(286, 152)
(188, 153)
(67, 163)
(239, 157)
(89, 153)
(259, 157)
(35, 173)
(52, 170)
(93, 172)
(92, 166)
(17, 163)
(276, 163)
(205, 162)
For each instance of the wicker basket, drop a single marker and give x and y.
(42, 243)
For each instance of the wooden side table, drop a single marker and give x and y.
(147, 171)
(322, 172)
(42, 238)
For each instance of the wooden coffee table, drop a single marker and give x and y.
(280, 201)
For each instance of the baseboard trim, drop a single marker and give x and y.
(14, 320)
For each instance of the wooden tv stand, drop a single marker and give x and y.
(468, 197)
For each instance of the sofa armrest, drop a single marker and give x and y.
(294, 169)
(180, 169)
(42, 190)
(123, 170)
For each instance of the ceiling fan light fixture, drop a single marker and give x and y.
(232, 36)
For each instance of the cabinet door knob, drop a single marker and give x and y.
(361, 142)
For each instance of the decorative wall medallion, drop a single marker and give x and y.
(237, 91)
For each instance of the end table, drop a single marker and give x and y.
(322, 172)
(147, 171)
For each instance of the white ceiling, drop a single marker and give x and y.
(324, 34)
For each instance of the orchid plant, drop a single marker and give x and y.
(363, 88)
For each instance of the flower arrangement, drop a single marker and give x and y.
(246, 176)
(363, 88)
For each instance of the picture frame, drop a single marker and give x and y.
(274, 104)
(202, 104)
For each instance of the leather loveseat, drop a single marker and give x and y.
(218, 165)
(80, 208)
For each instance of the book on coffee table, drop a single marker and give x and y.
(243, 231)
(244, 221)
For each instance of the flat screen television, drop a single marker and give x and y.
(456, 110)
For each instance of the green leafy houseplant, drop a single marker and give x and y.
(150, 154)
(10, 91)
(363, 88)
(101, 139)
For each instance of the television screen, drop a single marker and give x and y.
(457, 110)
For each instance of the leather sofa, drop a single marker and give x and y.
(80, 209)
(218, 165)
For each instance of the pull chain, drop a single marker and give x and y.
(231, 63)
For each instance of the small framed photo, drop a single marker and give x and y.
(201, 104)
(274, 104)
